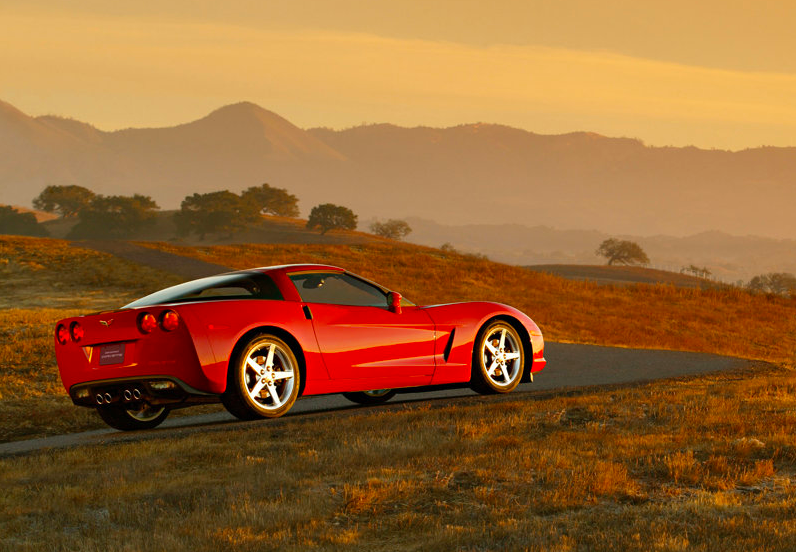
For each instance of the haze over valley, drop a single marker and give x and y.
(487, 188)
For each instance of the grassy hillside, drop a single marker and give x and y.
(46, 279)
(623, 275)
(697, 463)
(724, 321)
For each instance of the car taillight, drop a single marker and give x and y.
(76, 331)
(146, 322)
(61, 334)
(169, 320)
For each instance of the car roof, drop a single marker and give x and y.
(297, 268)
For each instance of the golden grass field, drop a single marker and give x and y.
(700, 464)
(703, 463)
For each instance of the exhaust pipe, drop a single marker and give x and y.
(127, 395)
(100, 400)
(108, 398)
(136, 393)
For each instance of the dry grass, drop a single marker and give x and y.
(48, 273)
(730, 321)
(703, 464)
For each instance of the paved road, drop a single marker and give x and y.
(569, 366)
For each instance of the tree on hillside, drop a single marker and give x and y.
(781, 283)
(622, 252)
(19, 224)
(393, 229)
(329, 216)
(65, 200)
(114, 216)
(272, 201)
(214, 213)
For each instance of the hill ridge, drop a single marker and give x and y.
(478, 172)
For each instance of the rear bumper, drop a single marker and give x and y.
(132, 391)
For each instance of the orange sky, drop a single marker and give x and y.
(709, 73)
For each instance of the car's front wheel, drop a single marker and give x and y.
(376, 396)
(263, 379)
(498, 359)
(126, 419)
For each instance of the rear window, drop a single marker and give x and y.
(249, 285)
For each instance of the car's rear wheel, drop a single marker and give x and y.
(130, 419)
(263, 379)
(498, 359)
(376, 396)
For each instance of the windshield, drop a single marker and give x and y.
(248, 285)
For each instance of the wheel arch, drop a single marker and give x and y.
(525, 338)
(282, 334)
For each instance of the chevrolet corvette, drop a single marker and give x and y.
(258, 339)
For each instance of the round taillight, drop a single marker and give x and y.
(146, 322)
(169, 320)
(61, 334)
(76, 331)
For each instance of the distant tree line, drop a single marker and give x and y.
(778, 283)
(222, 213)
(15, 222)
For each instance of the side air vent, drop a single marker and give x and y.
(449, 346)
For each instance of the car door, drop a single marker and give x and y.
(359, 337)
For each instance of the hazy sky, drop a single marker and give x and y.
(710, 73)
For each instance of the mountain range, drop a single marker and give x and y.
(467, 174)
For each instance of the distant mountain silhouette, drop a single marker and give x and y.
(476, 173)
(730, 258)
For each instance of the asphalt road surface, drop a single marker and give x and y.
(569, 366)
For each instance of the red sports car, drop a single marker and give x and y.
(258, 339)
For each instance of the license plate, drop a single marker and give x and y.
(111, 354)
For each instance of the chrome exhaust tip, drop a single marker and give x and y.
(127, 395)
(108, 398)
(100, 400)
(136, 393)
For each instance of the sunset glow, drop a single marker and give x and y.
(156, 68)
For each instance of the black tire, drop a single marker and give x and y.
(369, 398)
(497, 369)
(126, 419)
(249, 394)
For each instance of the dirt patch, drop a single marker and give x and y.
(169, 262)
(624, 275)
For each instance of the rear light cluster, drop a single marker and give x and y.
(167, 321)
(75, 333)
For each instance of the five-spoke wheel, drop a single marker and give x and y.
(263, 379)
(498, 359)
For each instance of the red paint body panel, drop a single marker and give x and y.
(160, 353)
(344, 348)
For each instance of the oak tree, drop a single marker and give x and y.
(272, 201)
(65, 200)
(329, 216)
(622, 252)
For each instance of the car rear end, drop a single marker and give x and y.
(130, 357)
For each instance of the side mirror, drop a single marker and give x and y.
(394, 302)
